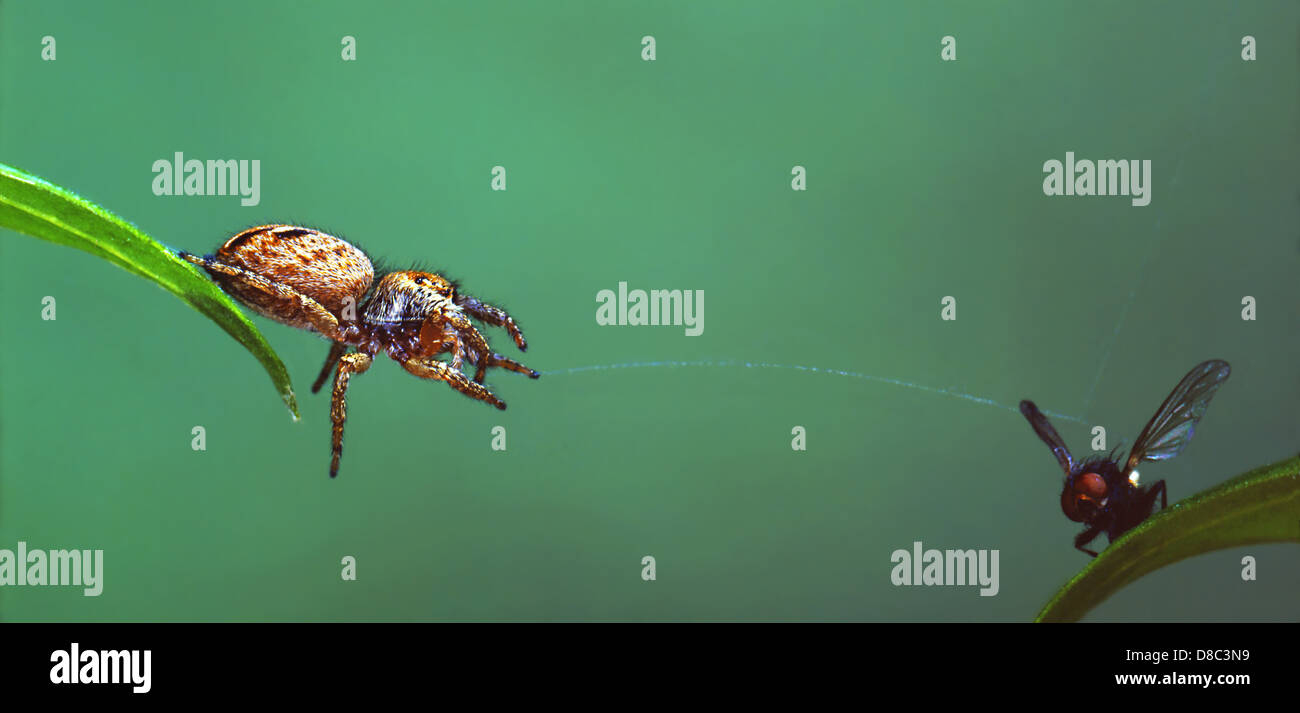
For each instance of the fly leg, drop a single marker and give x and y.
(1085, 537)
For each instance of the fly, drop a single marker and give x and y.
(1107, 497)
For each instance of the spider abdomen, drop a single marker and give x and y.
(327, 269)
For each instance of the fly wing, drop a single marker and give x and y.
(1044, 429)
(1167, 433)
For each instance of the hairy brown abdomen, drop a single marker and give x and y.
(318, 265)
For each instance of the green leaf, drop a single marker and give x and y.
(35, 207)
(1258, 507)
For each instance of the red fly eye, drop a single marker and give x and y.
(1092, 485)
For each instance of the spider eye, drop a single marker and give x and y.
(420, 280)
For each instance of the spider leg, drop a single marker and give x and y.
(475, 344)
(506, 363)
(493, 359)
(268, 297)
(349, 364)
(494, 316)
(442, 371)
(336, 351)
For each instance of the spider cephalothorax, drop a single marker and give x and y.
(311, 280)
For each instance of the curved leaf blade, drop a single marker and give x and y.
(35, 207)
(1261, 506)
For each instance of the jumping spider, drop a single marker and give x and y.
(310, 280)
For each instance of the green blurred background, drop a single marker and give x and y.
(924, 180)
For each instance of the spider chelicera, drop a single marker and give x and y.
(311, 280)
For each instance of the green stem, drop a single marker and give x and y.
(38, 208)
